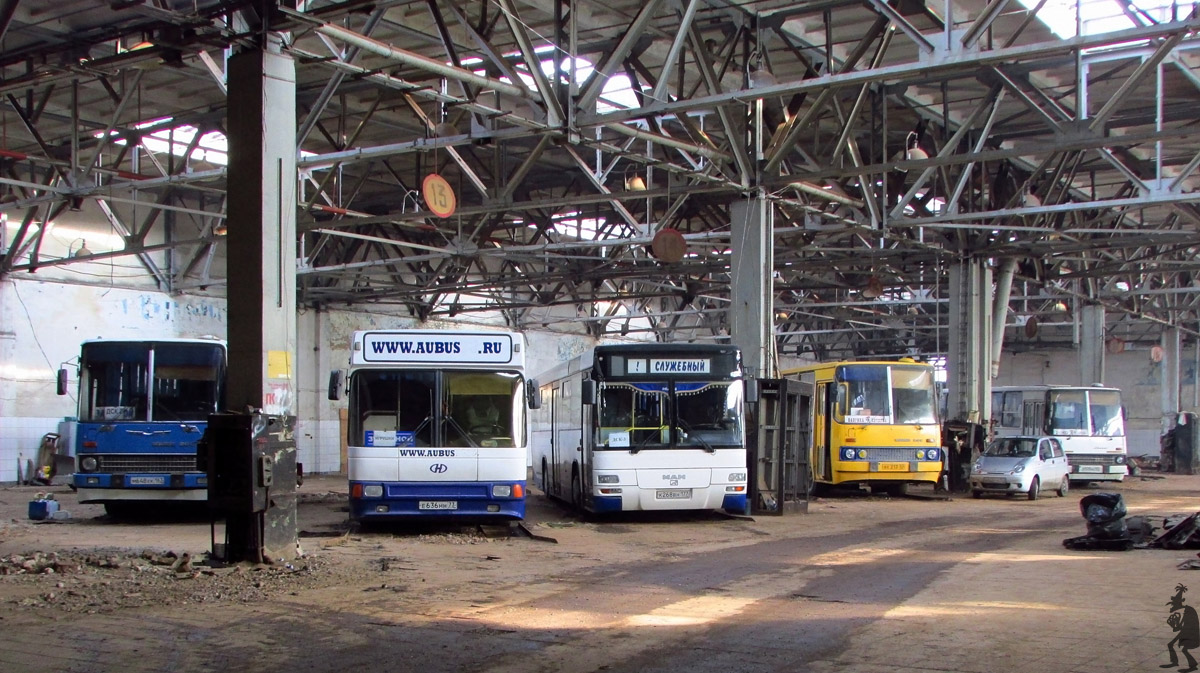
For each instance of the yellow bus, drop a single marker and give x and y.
(873, 423)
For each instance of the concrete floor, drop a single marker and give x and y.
(857, 584)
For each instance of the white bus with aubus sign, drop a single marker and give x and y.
(644, 427)
(437, 424)
(1088, 420)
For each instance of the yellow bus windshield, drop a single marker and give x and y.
(885, 394)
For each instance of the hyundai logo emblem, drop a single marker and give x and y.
(438, 468)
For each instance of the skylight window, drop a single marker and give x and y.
(1105, 16)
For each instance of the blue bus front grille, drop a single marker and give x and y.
(159, 462)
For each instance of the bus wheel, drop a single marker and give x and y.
(576, 490)
(813, 488)
(1035, 488)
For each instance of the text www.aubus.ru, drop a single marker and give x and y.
(427, 453)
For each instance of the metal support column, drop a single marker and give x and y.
(970, 342)
(261, 385)
(750, 319)
(1172, 349)
(969, 367)
(262, 232)
(1092, 351)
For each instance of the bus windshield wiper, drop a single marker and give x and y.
(642, 444)
(466, 435)
(707, 447)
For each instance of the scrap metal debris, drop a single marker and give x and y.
(1106, 526)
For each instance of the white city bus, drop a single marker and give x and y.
(437, 424)
(644, 427)
(1088, 420)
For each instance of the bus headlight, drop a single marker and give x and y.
(920, 454)
(848, 454)
(1119, 460)
(373, 491)
(931, 454)
(737, 476)
(501, 490)
(88, 464)
(609, 479)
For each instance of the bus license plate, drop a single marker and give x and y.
(893, 467)
(147, 481)
(437, 504)
(1091, 468)
(673, 494)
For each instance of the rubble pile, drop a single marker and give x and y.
(104, 581)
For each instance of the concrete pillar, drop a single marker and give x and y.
(1172, 349)
(262, 231)
(751, 316)
(1091, 345)
(968, 366)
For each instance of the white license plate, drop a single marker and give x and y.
(437, 504)
(673, 494)
(1091, 468)
(147, 481)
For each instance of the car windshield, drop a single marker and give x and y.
(1013, 448)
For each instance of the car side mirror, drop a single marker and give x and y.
(62, 381)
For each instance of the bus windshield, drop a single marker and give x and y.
(1107, 420)
(639, 415)
(397, 408)
(1068, 413)
(1084, 413)
(116, 381)
(885, 394)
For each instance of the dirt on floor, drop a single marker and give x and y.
(858, 583)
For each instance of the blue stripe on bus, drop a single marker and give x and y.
(736, 504)
(472, 498)
(606, 503)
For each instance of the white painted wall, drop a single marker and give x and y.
(41, 327)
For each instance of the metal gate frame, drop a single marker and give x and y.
(780, 442)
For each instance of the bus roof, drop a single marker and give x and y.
(1053, 386)
(209, 340)
(813, 366)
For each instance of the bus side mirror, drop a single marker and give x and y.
(62, 381)
(588, 391)
(335, 385)
(533, 393)
(751, 391)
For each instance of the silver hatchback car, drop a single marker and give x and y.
(1021, 465)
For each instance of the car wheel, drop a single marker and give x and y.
(976, 494)
(1064, 487)
(1035, 488)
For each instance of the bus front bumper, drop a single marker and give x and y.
(461, 500)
